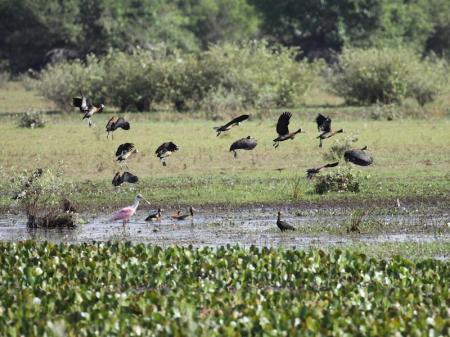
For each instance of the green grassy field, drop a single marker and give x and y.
(412, 159)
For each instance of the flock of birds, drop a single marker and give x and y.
(127, 150)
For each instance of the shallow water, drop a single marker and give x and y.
(245, 227)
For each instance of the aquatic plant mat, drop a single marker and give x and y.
(122, 289)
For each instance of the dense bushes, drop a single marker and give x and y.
(228, 76)
(387, 75)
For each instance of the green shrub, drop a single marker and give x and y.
(4, 78)
(137, 80)
(386, 75)
(341, 180)
(32, 120)
(338, 148)
(64, 80)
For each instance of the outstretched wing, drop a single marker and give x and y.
(122, 123)
(164, 147)
(124, 148)
(331, 165)
(283, 123)
(244, 144)
(323, 123)
(77, 101)
(235, 121)
(130, 178)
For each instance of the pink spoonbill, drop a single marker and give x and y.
(127, 212)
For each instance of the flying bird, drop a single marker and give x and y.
(283, 129)
(283, 225)
(92, 110)
(124, 177)
(359, 157)
(232, 123)
(124, 151)
(81, 103)
(165, 150)
(310, 173)
(115, 123)
(127, 212)
(324, 125)
(247, 143)
(180, 216)
(154, 216)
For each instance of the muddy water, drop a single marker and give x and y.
(245, 227)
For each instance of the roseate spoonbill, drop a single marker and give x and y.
(283, 225)
(324, 124)
(124, 177)
(165, 150)
(247, 143)
(283, 129)
(179, 216)
(114, 123)
(232, 123)
(124, 151)
(310, 173)
(359, 157)
(154, 216)
(127, 212)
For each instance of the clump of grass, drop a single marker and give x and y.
(32, 119)
(295, 187)
(337, 150)
(361, 218)
(39, 196)
(337, 181)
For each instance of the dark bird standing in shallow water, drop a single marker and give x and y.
(229, 125)
(283, 129)
(115, 123)
(247, 143)
(179, 216)
(324, 124)
(165, 150)
(310, 173)
(154, 216)
(22, 194)
(124, 151)
(359, 157)
(283, 225)
(124, 177)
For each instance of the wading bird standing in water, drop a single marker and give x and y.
(114, 123)
(229, 125)
(283, 129)
(248, 143)
(165, 150)
(127, 212)
(283, 225)
(124, 151)
(310, 173)
(154, 216)
(180, 216)
(324, 124)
